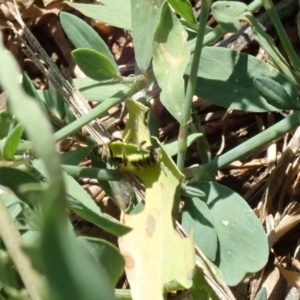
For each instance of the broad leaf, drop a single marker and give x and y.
(225, 78)
(170, 58)
(198, 217)
(243, 245)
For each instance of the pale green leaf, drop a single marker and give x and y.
(116, 13)
(170, 58)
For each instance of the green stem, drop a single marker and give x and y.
(98, 111)
(269, 7)
(184, 126)
(100, 174)
(13, 243)
(268, 136)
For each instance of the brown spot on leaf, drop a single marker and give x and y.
(174, 61)
(150, 225)
(129, 263)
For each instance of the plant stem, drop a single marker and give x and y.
(13, 242)
(268, 136)
(269, 7)
(100, 174)
(97, 112)
(184, 126)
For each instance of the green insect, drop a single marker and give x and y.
(136, 148)
(126, 154)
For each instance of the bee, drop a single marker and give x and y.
(150, 161)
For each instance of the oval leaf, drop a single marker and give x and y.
(197, 215)
(83, 35)
(94, 64)
(226, 14)
(243, 245)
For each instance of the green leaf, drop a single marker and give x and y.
(106, 255)
(243, 245)
(31, 90)
(11, 142)
(6, 122)
(184, 9)
(145, 17)
(190, 191)
(105, 184)
(75, 157)
(94, 64)
(262, 294)
(97, 91)
(8, 273)
(71, 271)
(268, 44)
(115, 13)
(172, 147)
(84, 206)
(225, 78)
(55, 103)
(84, 36)
(200, 289)
(226, 14)
(14, 179)
(13, 204)
(275, 94)
(197, 215)
(170, 58)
